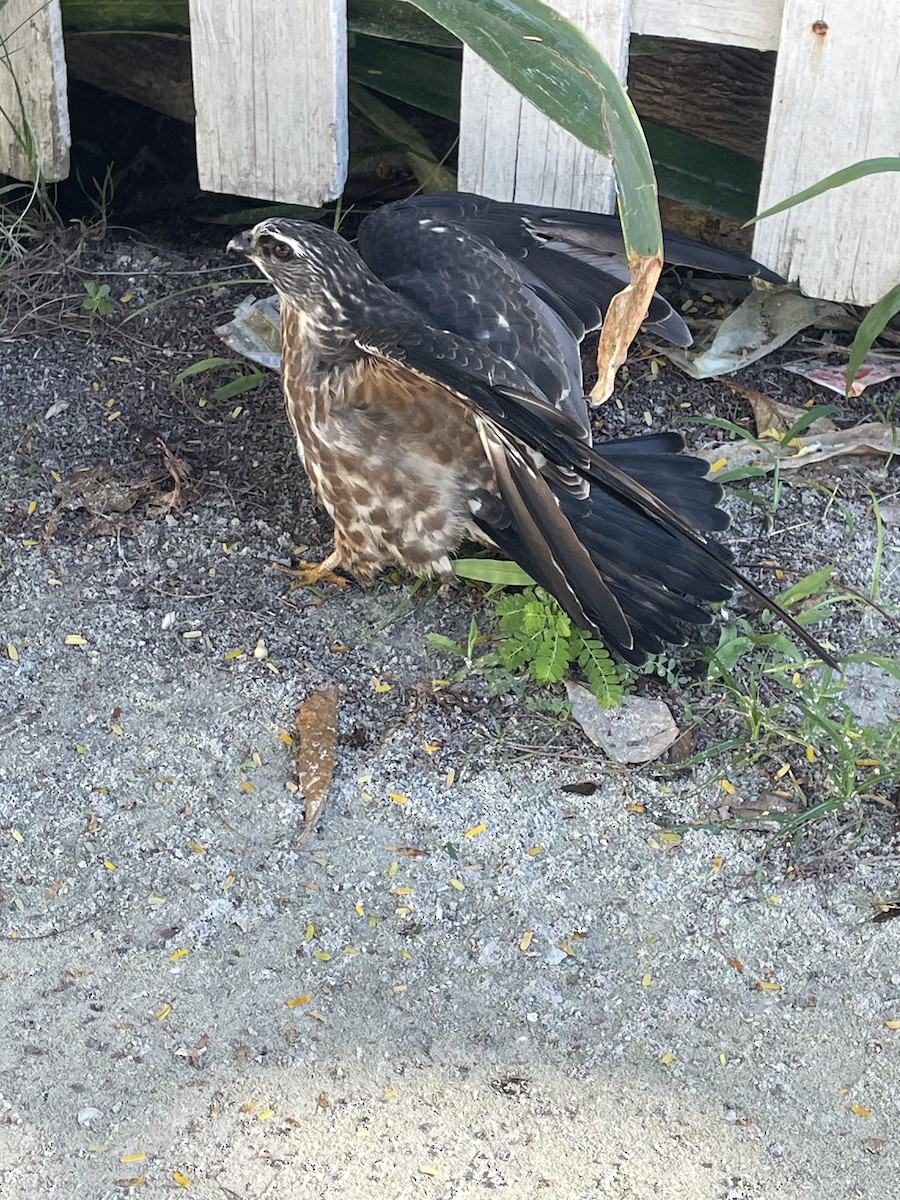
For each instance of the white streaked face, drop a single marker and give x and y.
(319, 277)
(311, 266)
(284, 250)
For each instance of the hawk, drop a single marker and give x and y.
(433, 381)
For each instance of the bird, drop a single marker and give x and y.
(433, 381)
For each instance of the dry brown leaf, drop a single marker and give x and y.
(113, 504)
(871, 438)
(317, 724)
(683, 746)
(770, 415)
(179, 471)
(623, 319)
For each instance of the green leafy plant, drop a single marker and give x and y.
(16, 124)
(858, 170)
(100, 194)
(488, 665)
(770, 450)
(888, 306)
(97, 301)
(535, 636)
(847, 761)
(790, 718)
(541, 639)
(245, 380)
(665, 667)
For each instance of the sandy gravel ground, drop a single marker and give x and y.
(563, 1003)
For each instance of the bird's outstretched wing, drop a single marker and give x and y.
(456, 279)
(573, 262)
(622, 558)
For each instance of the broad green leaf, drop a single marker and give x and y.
(441, 642)
(809, 585)
(873, 323)
(418, 77)
(397, 21)
(731, 647)
(700, 173)
(490, 570)
(811, 415)
(237, 387)
(868, 166)
(554, 65)
(125, 16)
(205, 364)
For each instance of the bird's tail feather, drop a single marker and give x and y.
(655, 571)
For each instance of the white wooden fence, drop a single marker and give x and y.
(270, 93)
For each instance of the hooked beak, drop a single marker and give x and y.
(241, 243)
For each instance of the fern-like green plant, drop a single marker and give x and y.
(603, 677)
(539, 637)
(537, 633)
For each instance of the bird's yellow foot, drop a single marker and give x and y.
(307, 573)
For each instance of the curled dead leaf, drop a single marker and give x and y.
(869, 438)
(623, 319)
(317, 724)
(769, 414)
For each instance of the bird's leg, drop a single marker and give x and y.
(307, 573)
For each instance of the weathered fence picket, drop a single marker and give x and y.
(270, 95)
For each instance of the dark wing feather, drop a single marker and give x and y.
(449, 361)
(636, 554)
(574, 261)
(457, 280)
(557, 557)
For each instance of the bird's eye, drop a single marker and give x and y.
(280, 250)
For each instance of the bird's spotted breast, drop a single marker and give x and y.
(397, 490)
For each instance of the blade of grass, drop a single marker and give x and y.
(197, 287)
(490, 570)
(858, 170)
(808, 586)
(237, 387)
(873, 323)
(205, 364)
(432, 176)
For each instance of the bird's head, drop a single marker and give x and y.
(318, 276)
(310, 266)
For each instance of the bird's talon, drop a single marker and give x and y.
(307, 574)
